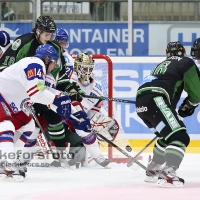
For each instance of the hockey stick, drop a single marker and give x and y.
(49, 149)
(135, 157)
(108, 99)
(115, 146)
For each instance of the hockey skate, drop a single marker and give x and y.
(22, 166)
(168, 178)
(154, 170)
(8, 170)
(104, 162)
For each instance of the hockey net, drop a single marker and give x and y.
(103, 74)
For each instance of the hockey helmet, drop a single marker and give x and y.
(175, 49)
(83, 66)
(62, 36)
(195, 49)
(45, 24)
(47, 53)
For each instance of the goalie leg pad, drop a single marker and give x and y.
(105, 125)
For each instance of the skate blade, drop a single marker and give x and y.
(163, 183)
(151, 179)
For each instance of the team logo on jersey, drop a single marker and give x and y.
(33, 71)
(25, 104)
(30, 73)
(16, 44)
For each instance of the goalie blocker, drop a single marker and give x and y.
(105, 125)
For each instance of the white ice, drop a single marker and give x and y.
(117, 183)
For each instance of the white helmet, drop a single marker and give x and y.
(83, 66)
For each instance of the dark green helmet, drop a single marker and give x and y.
(175, 49)
(46, 24)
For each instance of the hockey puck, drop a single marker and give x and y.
(128, 148)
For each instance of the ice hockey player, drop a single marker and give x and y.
(4, 41)
(25, 45)
(27, 78)
(159, 94)
(62, 37)
(83, 75)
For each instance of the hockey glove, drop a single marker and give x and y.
(75, 90)
(186, 108)
(83, 123)
(64, 106)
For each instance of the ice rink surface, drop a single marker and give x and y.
(97, 183)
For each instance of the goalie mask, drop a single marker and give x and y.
(83, 66)
(175, 49)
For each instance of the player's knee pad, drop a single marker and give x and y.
(181, 136)
(27, 131)
(7, 131)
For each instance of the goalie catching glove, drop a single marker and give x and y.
(186, 108)
(104, 125)
(74, 91)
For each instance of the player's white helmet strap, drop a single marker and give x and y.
(83, 66)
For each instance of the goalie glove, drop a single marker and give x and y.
(186, 108)
(105, 125)
(74, 91)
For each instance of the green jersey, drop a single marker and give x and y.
(171, 77)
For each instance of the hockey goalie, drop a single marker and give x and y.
(84, 77)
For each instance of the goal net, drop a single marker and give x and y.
(103, 74)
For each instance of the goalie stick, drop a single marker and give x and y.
(118, 148)
(108, 99)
